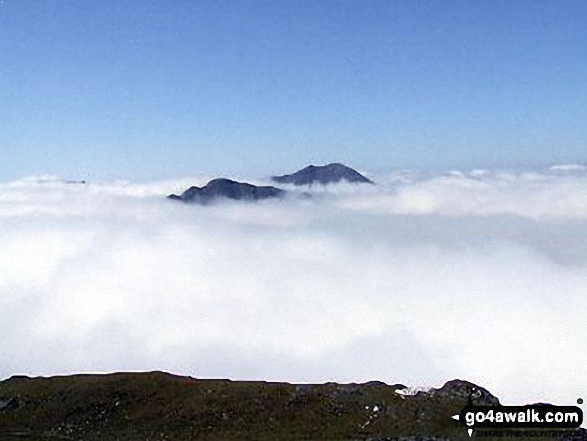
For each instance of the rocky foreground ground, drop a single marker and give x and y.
(160, 406)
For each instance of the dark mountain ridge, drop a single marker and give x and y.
(161, 406)
(226, 188)
(326, 174)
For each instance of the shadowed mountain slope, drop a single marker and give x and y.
(226, 188)
(327, 174)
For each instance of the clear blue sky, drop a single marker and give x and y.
(153, 89)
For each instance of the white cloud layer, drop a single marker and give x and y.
(476, 275)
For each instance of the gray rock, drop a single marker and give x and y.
(465, 390)
(9, 404)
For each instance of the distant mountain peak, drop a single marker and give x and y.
(228, 189)
(323, 174)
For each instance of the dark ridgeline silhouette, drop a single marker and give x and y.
(242, 191)
(326, 174)
(226, 188)
(133, 406)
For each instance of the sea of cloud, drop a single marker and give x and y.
(423, 278)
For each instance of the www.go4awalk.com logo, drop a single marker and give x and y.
(537, 416)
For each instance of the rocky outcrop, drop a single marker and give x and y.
(464, 390)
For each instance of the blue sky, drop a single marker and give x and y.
(152, 89)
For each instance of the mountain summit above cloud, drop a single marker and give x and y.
(326, 174)
(226, 188)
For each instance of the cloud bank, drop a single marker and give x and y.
(476, 275)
